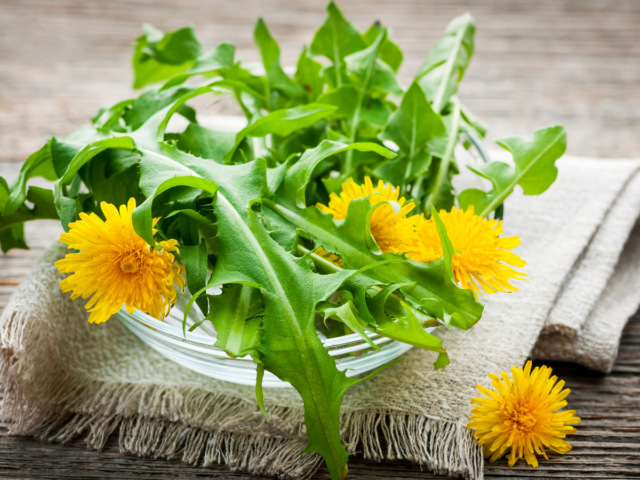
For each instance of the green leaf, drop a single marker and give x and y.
(344, 98)
(38, 164)
(159, 173)
(259, 392)
(201, 219)
(119, 188)
(62, 152)
(248, 255)
(204, 143)
(196, 263)
(440, 192)
(411, 127)
(447, 62)
(289, 345)
(233, 314)
(282, 123)
(535, 171)
(66, 207)
(12, 225)
(447, 246)
(346, 313)
(308, 75)
(336, 39)
(270, 52)
(367, 71)
(110, 118)
(5, 191)
(298, 176)
(389, 53)
(414, 123)
(350, 238)
(442, 361)
(218, 60)
(158, 56)
(12, 237)
(151, 102)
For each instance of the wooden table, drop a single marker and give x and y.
(539, 63)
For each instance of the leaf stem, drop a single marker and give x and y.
(451, 61)
(443, 170)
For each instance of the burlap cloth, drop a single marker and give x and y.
(64, 377)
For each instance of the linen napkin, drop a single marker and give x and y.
(64, 377)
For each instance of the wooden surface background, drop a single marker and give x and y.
(537, 63)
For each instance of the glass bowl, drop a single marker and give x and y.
(197, 352)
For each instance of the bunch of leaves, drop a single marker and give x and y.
(241, 205)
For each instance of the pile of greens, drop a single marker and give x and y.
(242, 205)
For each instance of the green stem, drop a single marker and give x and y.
(336, 52)
(353, 133)
(412, 147)
(443, 170)
(361, 95)
(451, 61)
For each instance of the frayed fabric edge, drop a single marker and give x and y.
(199, 426)
(447, 448)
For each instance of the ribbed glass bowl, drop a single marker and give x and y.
(197, 352)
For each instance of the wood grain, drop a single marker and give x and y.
(573, 62)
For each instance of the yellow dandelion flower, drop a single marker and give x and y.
(118, 267)
(522, 415)
(482, 257)
(390, 227)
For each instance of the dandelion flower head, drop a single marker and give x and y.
(390, 227)
(521, 416)
(483, 259)
(116, 267)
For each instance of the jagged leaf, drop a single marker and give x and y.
(158, 56)
(234, 315)
(196, 260)
(389, 53)
(38, 164)
(447, 61)
(346, 313)
(12, 225)
(218, 60)
(350, 238)
(289, 346)
(367, 71)
(205, 143)
(534, 158)
(336, 39)
(282, 123)
(298, 176)
(276, 79)
(308, 75)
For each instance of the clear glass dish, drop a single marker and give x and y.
(197, 352)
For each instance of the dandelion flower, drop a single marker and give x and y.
(118, 267)
(482, 260)
(521, 416)
(390, 227)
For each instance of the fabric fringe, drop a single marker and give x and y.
(446, 448)
(195, 425)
